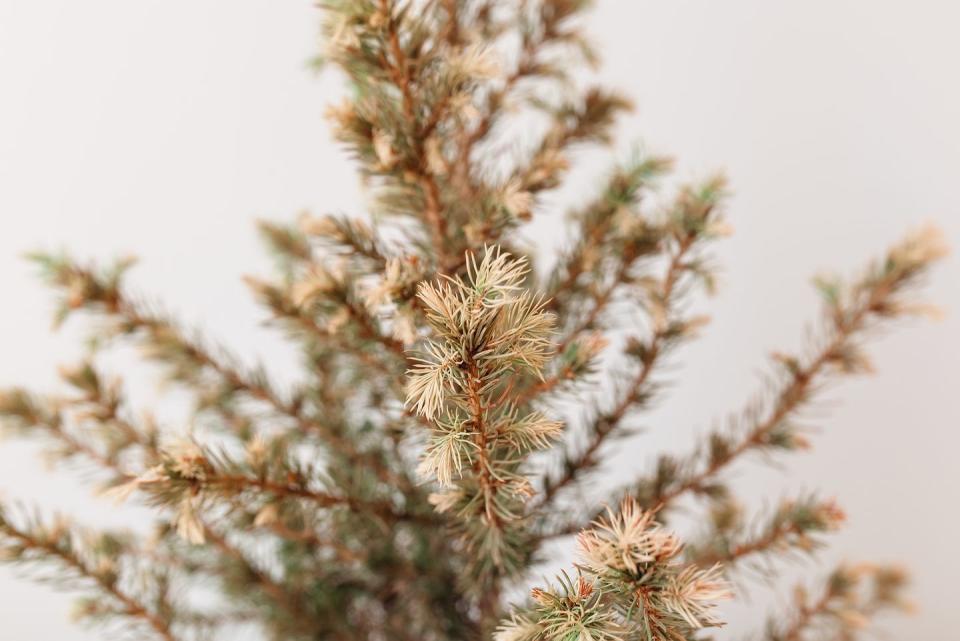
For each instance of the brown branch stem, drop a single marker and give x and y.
(132, 607)
(607, 423)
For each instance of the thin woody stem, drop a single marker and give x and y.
(608, 423)
(233, 377)
(132, 607)
(805, 617)
(789, 399)
(545, 386)
(322, 499)
(399, 73)
(600, 303)
(490, 603)
(482, 464)
(271, 588)
(747, 548)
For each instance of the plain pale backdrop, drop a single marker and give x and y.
(164, 129)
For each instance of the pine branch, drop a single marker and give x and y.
(630, 585)
(852, 595)
(876, 298)
(695, 220)
(484, 329)
(189, 474)
(872, 299)
(609, 228)
(546, 29)
(398, 68)
(88, 426)
(283, 305)
(57, 543)
(166, 342)
(277, 593)
(605, 425)
(794, 525)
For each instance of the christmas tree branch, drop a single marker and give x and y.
(694, 222)
(484, 328)
(60, 543)
(630, 585)
(611, 222)
(276, 592)
(85, 288)
(851, 597)
(794, 525)
(874, 298)
(27, 413)
(188, 475)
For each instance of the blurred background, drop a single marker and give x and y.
(165, 129)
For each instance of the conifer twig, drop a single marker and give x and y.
(872, 299)
(106, 582)
(794, 525)
(693, 225)
(851, 596)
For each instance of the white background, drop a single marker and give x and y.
(164, 129)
